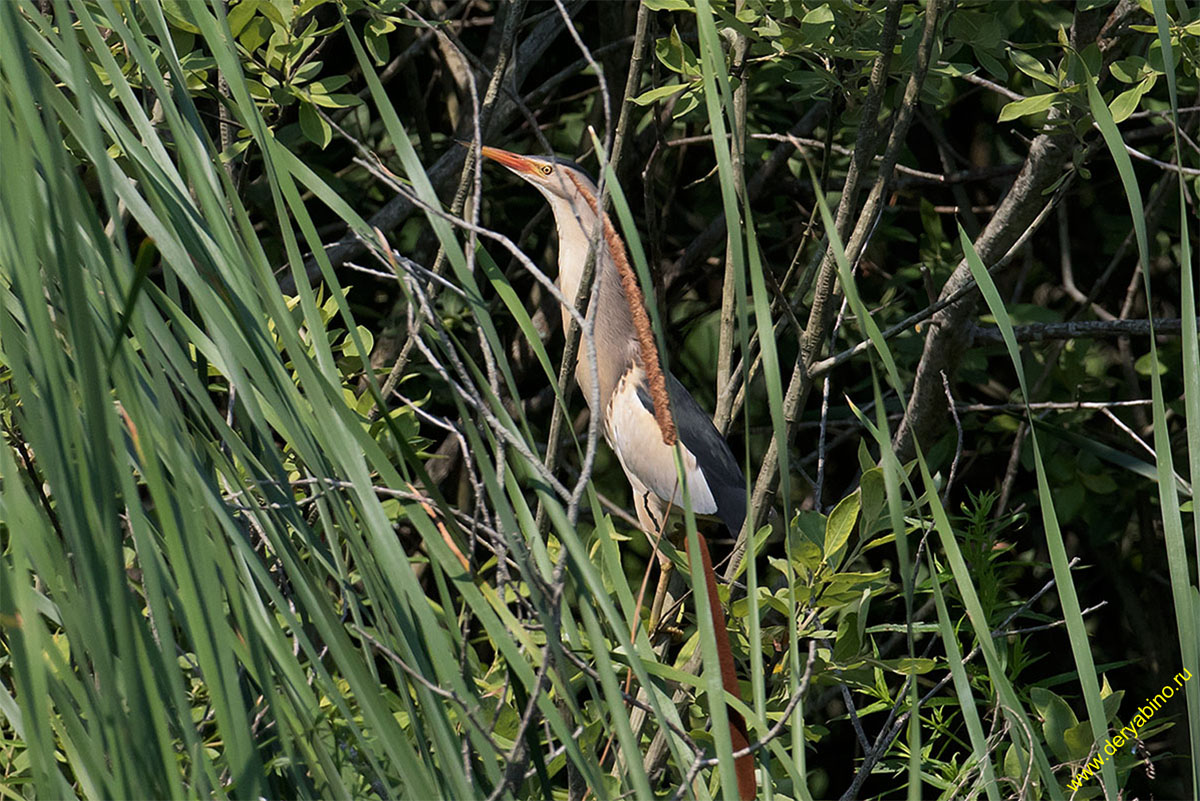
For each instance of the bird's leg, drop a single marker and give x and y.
(650, 518)
(653, 518)
(660, 592)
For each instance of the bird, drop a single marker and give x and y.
(643, 410)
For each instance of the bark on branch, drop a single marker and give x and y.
(1082, 329)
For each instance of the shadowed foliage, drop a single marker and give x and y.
(298, 499)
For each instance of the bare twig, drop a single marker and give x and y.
(512, 15)
(820, 315)
(914, 177)
(632, 81)
(1081, 329)
(992, 86)
(1055, 406)
(706, 240)
(729, 285)
(958, 446)
(1141, 443)
(416, 676)
(864, 150)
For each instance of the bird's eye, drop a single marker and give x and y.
(547, 169)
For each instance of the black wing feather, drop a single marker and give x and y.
(698, 434)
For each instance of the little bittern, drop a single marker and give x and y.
(644, 411)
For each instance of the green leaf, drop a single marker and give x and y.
(805, 555)
(1029, 105)
(668, 5)
(177, 13)
(1112, 703)
(341, 100)
(1031, 67)
(871, 489)
(818, 24)
(258, 91)
(865, 460)
(847, 645)
(1057, 717)
(1128, 70)
(330, 85)
(275, 14)
(840, 525)
(821, 15)
(906, 666)
(241, 14)
(1099, 483)
(1016, 759)
(307, 72)
(314, 126)
(381, 26)
(1126, 103)
(1077, 741)
(255, 33)
(688, 101)
(983, 31)
(658, 93)
(954, 69)
(810, 525)
(1154, 57)
(676, 56)
(1147, 362)
(849, 586)
(990, 63)
(378, 47)
(365, 335)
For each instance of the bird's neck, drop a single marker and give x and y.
(614, 334)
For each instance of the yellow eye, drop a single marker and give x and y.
(547, 169)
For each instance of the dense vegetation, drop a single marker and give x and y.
(295, 500)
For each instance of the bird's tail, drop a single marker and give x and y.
(738, 734)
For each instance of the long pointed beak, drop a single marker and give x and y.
(513, 161)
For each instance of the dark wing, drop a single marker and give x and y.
(725, 479)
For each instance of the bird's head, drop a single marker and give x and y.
(553, 177)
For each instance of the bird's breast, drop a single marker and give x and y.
(635, 437)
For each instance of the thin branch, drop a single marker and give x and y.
(800, 377)
(967, 286)
(820, 315)
(480, 112)
(958, 446)
(1141, 443)
(915, 177)
(1049, 406)
(416, 676)
(1037, 332)
(979, 80)
(632, 81)
(737, 141)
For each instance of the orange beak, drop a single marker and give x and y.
(514, 162)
